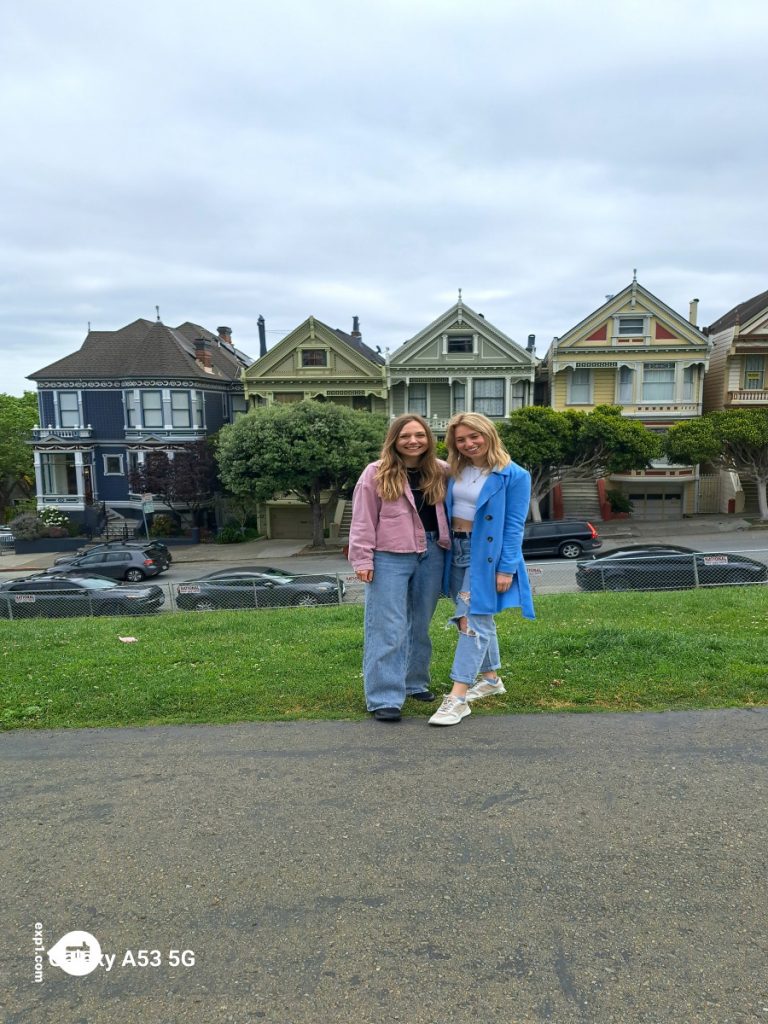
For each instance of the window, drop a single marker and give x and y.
(631, 325)
(314, 357)
(198, 407)
(152, 408)
(489, 397)
(133, 462)
(181, 415)
(113, 465)
(580, 387)
(459, 397)
(69, 410)
(625, 385)
(659, 382)
(688, 384)
(417, 399)
(518, 394)
(131, 418)
(754, 373)
(460, 343)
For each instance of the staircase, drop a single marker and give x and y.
(118, 527)
(750, 497)
(346, 519)
(580, 499)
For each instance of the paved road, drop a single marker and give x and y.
(607, 869)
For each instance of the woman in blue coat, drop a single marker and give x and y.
(487, 505)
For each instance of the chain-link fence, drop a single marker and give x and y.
(643, 569)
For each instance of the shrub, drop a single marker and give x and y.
(618, 501)
(163, 526)
(28, 526)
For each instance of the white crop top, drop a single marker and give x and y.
(466, 491)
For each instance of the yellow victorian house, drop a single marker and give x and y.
(636, 352)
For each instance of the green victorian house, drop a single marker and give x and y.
(322, 363)
(460, 363)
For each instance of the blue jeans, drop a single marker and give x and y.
(477, 650)
(399, 604)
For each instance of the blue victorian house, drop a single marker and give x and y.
(142, 388)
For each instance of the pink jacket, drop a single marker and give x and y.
(379, 525)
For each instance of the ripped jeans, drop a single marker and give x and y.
(477, 650)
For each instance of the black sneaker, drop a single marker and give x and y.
(424, 695)
(387, 714)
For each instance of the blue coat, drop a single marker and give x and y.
(497, 539)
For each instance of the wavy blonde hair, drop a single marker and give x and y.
(391, 477)
(497, 455)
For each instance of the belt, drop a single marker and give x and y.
(461, 534)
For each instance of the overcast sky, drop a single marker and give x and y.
(227, 159)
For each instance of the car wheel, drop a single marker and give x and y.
(134, 575)
(307, 601)
(571, 549)
(205, 604)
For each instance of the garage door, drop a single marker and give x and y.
(290, 523)
(657, 504)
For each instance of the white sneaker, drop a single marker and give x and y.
(450, 712)
(485, 688)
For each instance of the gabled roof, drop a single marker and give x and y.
(461, 316)
(142, 349)
(741, 314)
(616, 303)
(314, 328)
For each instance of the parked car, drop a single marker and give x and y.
(119, 563)
(667, 567)
(281, 574)
(567, 538)
(246, 588)
(61, 596)
(156, 548)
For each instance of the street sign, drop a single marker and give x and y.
(147, 506)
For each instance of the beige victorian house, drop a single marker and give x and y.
(460, 363)
(322, 363)
(636, 352)
(738, 377)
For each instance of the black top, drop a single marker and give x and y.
(427, 513)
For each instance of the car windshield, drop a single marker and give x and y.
(93, 583)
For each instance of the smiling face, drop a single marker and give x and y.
(412, 442)
(471, 444)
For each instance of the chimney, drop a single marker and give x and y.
(531, 346)
(356, 327)
(262, 336)
(693, 311)
(203, 354)
(225, 335)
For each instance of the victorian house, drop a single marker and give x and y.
(636, 352)
(460, 363)
(143, 387)
(321, 363)
(738, 375)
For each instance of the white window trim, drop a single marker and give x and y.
(677, 386)
(57, 408)
(620, 340)
(460, 334)
(110, 472)
(571, 370)
(504, 396)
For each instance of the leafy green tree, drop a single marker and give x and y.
(550, 443)
(736, 439)
(304, 448)
(17, 468)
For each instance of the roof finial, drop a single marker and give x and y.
(459, 296)
(634, 276)
(157, 310)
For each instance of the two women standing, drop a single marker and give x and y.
(398, 544)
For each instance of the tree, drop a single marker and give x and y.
(736, 439)
(184, 481)
(17, 467)
(550, 443)
(304, 448)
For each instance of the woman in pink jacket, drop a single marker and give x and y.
(397, 544)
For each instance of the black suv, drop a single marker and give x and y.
(566, 538)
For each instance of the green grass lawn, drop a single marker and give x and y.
(585, 652)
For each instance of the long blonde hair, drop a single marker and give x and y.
(391, 476)
(497, 455)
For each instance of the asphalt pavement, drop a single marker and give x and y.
(607, 869)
